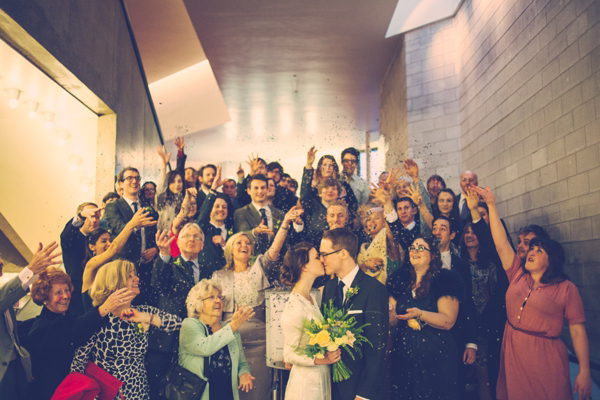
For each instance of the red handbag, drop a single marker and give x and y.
(95, 383)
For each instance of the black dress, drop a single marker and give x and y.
(219, 374)
(423, 361)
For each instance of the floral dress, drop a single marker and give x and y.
(120, 349)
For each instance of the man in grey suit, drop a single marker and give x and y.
(258, 219)
(15, 364)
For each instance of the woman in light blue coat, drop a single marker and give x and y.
(203, 334)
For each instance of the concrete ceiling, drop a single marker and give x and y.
(289, 71)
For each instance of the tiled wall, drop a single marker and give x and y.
(516, 84)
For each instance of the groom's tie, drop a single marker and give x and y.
(338, 302)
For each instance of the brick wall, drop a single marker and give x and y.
(527, 118)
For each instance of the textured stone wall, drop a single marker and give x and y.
(525, 117)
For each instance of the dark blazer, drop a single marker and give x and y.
(284, 199)
(368, 371)
(117, 214)
(247, 218)
(52, 340)
(172, 282)
(212, 256)
(10, 293)
(465, 328)
(73, 244)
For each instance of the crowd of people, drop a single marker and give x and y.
(174, 273)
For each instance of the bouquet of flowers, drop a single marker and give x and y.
(336, 329)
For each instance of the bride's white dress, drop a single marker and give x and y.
(307, 380)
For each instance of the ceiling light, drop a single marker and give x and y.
(74, 162)
(32, 107)
(62, 137)
(13, 97)
(49, 120)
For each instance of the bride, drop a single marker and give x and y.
(309, 378)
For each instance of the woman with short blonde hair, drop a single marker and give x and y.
(120, 346)
(194, 303)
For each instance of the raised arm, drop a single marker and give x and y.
(415, 195)
(181, 157)
(290, 216)
(505, 251)
(140, 219)
(165, 157)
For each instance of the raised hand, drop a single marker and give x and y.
(91, 212)
(119, 298)
(163, 242)
(240, 171)
(217, 182)
(241, 314)
(218, 240)
(486, 194)
(414, 193)
(141, 219)
(179, 143)
(164, 156)
(262, 228)
(43, 258)
(310, 157)
(472, 197)
(412, 169)
(393, 177)
(254, 163)
(380, 194)
(293, 214)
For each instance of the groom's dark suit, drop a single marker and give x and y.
(368, 374)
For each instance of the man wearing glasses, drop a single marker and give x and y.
(359, 186)
(366, 299)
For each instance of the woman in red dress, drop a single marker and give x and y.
(534, 362)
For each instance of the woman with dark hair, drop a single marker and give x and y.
(446, 206)
(424, 301)
(55, 334)
(484, 278)
(169, 202)
(309, 377)
(102, 249)
(148, 194)
(534, 363)
(313, 182)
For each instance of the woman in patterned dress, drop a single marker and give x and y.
(243, 283)
(120, 347)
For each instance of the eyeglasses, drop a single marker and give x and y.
(132, 178)
(192, 237)
(323, 255)
(348, 160)
(418, 249)
(214, 298)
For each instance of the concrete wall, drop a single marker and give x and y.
(92, 40)
(527, 116)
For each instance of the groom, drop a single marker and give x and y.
(367, 301)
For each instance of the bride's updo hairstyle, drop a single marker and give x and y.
(294, 261)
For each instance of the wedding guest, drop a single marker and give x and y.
(230, 189)
(148, 197)
(205, 334)
(169, 202)
(446, 206)
(310, 378)
(423, 308)
(242, 283)
(187, 214)
(435, 183)
(120, 347)
(351, 166)
(534, 361)
(73, 242)
(56, 334)
(468, 179)
(293, 186)
(15, 365)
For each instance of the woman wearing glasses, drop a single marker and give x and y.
(204, 334)
(243, 283)
(424, 301)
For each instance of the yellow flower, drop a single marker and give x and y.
(332, 346)
(319, 355)
(350, 338)
(323, 339)
(312, 341)
(414, 324)
(341, 340)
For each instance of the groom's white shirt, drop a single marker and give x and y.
(348, 279)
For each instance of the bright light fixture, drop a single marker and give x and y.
(32, 107)
(13, 97)
(49, 120)
(62, 137)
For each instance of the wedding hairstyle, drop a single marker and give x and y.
(294, 261)
(343, 238)
(194, 303)
(42, 287)
(228, 250)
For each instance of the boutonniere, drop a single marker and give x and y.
(351, 292)
(178, 262)
(276, 224)
(230, 232)
(140, 329)
(148, 209)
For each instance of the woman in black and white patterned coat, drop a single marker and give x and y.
(120, 347)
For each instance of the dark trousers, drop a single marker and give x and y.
(157, 365)
(13, 385)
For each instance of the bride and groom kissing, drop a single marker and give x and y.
(365, 299)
